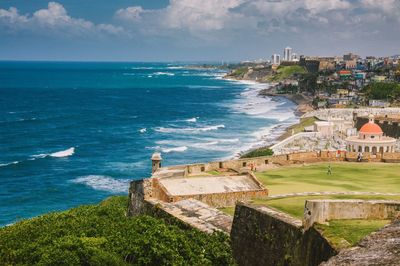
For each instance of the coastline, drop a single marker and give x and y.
(278, 131)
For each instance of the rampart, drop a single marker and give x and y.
(321, 211)
(262, 236)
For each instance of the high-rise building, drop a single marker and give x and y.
(275, 59)
(287, 54)
(295, 57)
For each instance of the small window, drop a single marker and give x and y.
(202, 169)
(266, 162)
(244, 164)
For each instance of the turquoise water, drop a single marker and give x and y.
(75, 133)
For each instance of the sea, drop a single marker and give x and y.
(74, 133)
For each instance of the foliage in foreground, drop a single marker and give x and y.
(258, 152)
(103, 235)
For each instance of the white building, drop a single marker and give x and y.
(275, 59)
(287, 54)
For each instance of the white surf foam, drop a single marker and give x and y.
(7, 164)
(175, 149)
(163, 73)
(188, 129)
(192, 120)
(65, 153)
(143, 130)
(103, 183)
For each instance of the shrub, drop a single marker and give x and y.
(103, 235)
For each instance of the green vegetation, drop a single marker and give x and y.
(295, 205)
(103, 235)
(297, 128)
(375, 177)
(258, 152)
(285, 72)
(346, 233)
(239, 72)
(383, 91)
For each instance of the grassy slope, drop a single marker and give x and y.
(347, 233)
(103, 235)
(346, 177)
(297, 128)
(285, 72)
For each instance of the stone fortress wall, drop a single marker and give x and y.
(260, 235)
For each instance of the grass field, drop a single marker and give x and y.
(347, 233)
(363, 177)
(372, 177)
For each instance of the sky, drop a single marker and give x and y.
(195, 30)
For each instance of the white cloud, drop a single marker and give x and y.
(53, 20)
(132, 13)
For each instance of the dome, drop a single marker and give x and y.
(371, 128)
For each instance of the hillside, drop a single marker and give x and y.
(102, 235)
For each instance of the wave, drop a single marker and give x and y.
(175, 67)
(143, 130)
(188, 129)
(103, 183)
(164, 74)
(65, 153)
(58, 154)
(192, 120)
(176, 149)
(7, 164)
(138, 68)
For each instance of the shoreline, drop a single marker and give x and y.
(278, 131)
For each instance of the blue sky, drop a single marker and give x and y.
(192, 30)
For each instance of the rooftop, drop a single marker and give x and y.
(209, 185)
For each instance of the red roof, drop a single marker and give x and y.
(371, 127)
(344, 72)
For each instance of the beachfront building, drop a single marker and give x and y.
(370, 138)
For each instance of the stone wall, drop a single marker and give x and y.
(321, 211)
(262, 236)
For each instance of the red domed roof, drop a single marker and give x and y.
(371, 128)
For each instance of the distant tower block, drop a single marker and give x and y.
(155, 162)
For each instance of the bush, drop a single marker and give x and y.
(103, 235)
(258, 152)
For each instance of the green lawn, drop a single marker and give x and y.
(295, 205)
(347, 233)
(373, 177)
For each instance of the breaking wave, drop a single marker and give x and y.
(176, 149)
(65, 153)
(103, 183)
(188, 129)
(192, 120)
(163, 74)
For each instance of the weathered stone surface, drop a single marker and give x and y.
(263, 236)
(321, 211)
(380, 248)
(192, 213)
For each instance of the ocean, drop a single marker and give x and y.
(75, 133)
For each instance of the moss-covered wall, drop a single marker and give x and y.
(261, 237)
